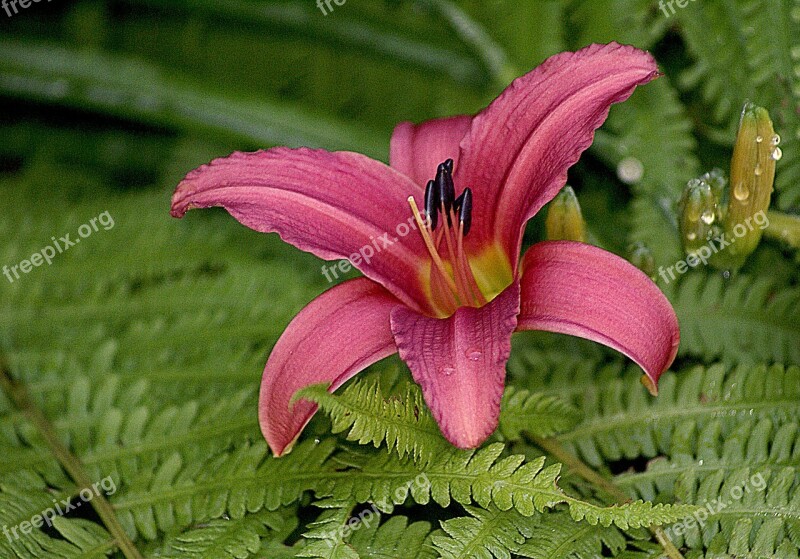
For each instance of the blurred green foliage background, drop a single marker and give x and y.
(142, 348)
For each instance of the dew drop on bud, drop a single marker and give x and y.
(777, 153)
(708, 217)
(741, 192)
(759, 139)
(757, 170)
(776, 139)
(691, 235)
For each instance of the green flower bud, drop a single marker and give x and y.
(564, 219)
(699, 209)
(752, 175)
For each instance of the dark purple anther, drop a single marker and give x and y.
(444, 184)
(463, 206)
(432, 204)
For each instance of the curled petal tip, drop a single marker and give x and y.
(651, 386)
(581, 290)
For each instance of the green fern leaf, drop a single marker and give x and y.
(404, 423)
(394, 539)
(745, 319)
(326, 534)
(229, 539)
(535, 413)
(485, 534)
(555, 537)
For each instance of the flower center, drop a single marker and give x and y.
(446, 222)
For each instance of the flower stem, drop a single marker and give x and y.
(783, 227)
(19, 395)
(554, 448)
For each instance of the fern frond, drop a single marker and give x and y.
(484, 534)
(737, 474)
(79, 539)
(394, 539)
(556, 537)
(326, 534)
(492, 533)
(229, 539)
(756, 511)
(772, 55)
(557, 372)
(484, 478)
(404, 423)
(615, 427)
(720, 70)
(535, 413)
(407, 426)
(744, 319)
(244, 480)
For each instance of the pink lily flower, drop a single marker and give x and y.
(448, 294)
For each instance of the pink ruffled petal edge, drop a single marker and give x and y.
(517, 152)
(335, 205)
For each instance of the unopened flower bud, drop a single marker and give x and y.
(699, 209)
(564, 219)
(752, 175)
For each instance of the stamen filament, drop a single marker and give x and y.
(458, 270)
(437, 260)
(472, 285)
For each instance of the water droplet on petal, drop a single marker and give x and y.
(741, 192)
(708, 217)
(447, 371)
(473, 354)
(777, 153)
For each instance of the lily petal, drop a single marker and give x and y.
(337, 335)
(417, 149)
(516, 154)
(334, 205)
(581, 290)
(460, 363)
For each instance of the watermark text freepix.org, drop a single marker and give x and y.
(366, 252)
(365, 518)
(64, 243)
(663, 5)
(714, 246)
(714, 507)
(60, 508)
(9, 5)
(323, 4)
